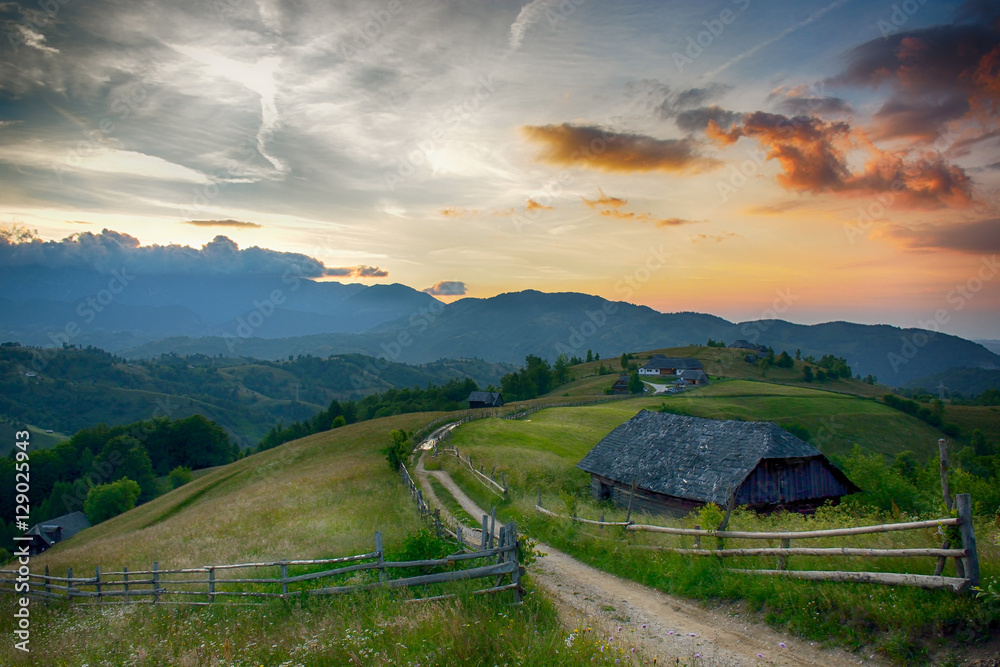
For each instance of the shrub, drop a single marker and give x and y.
(107, 500)
(179, 476)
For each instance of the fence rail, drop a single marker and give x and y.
(966, 557)
(159, 585)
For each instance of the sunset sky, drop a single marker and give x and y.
(839, 161)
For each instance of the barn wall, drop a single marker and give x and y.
(644, 501)
(775, 482)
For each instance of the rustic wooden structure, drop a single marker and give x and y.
(672, 464)
(47, 533)
(485, 399)
(206, 585)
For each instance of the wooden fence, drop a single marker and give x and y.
(486, 479)
(204, 585)
(966, 557)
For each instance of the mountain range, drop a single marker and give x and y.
(273, 317)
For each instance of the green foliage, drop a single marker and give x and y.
(715, 343)
(933, 415)
(125, 457)
(397, 452)
(784, 360)
(709, 517)
(807, 374)
(179, 476)
(798, 430)
(535, 379)
(888, 488)
(635, 385)
(107, 500)
(590, 356)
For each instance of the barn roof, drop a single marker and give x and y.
(691, 457)
(659, 361)
(71, 524)
(693, 375)
(484, 397)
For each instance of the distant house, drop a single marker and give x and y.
(660, 366)
(742, 344)
(47, 533)
(679, 463)
(485, 399)
(694, 377)
(621, 385)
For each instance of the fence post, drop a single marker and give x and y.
(539, 496)
(97, 581)
(69, 583)
(48, 588)
(156, 582)
(628, 514)
(697, 538)
(493, 525)
(971, 561)
(211, 584)
(516, 574)
(420, 501)
(483, 544)
(379, 555)
(437, 522)
(458, 534)
(783, 560)
(125, 583)
(284, 579)
(601, 527)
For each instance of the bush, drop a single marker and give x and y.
(179, 476)
(107, 500)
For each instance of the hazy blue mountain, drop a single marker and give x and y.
(509, 326)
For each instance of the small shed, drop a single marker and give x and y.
(621, 385)
(673, 464)
(47, 533)
(485, 399)
(694, 377)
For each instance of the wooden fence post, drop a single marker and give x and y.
(211, 584)
(539, 496)
(697, 538)
(97, 581)
(628, 514)
(125, 583)
(601, 526)
(379, 555)
(69, 583)
(48, 587)
(493, 525)
(483, 544)
(156, 582)
(437, 522)
(971, 561)
(515, 576)
(458, 534)
(284, 579)
(783, 560)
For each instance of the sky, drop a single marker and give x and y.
(813, 161)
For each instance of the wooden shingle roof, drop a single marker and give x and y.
(691, 457)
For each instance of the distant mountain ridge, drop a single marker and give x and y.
(509, 326)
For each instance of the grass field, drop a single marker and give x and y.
(906, 624)
(321, 496)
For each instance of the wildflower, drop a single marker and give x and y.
(760, 655)
(643, 626)
(781, 644)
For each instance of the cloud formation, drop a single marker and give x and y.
(592, 147)
(111, 250)
(813, 157)
(718, 238)
(975, 238)
(446, 288)
(224, 223)
(532, 205)
(458, 212)
(613, 207)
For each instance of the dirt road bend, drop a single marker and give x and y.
(665, 627)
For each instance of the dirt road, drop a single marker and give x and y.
(664, 627)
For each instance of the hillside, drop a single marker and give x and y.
(73, 388)
(966, 381)
(507, 327)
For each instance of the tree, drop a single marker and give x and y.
(124, 456)
(179, 476)
(590, 355)
(560, 372)
(784, 361)
(107, 500)
(397, 452)
(624, 361)
(635, 385)
(807, 374)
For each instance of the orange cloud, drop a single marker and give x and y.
(611, 207)
(718, 238)
(532, 205)
(457, 212)
(222, 223)
(813, 157)
(591, 147)
(977, 237)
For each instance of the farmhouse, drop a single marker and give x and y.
(679, 463)
(661, 366)
(46, 534)
(485, 399)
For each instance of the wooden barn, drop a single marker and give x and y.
(47, 533)
(672, 464)
(485, 399)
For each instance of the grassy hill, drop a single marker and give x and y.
(322, 496)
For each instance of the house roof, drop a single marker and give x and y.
(483, 397)
(742, 344)
(691, 457)
(693, 375)
(659, 361)
(71, 524)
